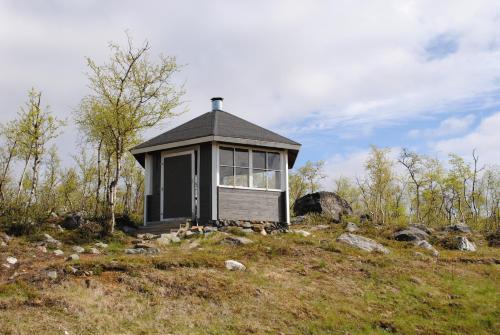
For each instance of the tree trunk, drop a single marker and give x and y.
(21, 180)
(36, 163)
(113, 191)
(98, 188)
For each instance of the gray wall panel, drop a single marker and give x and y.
(255, 205)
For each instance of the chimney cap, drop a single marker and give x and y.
(217, 98)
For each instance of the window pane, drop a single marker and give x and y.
(259, 178)
(259, 159)
(226, 176)
(273, 161)
(226, 156)
(241, 177)
(241, 157)
(274, 179)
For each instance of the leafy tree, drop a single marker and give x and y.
(130, 93)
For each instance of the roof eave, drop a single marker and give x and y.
(198, 140)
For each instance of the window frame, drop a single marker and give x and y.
(281, 171)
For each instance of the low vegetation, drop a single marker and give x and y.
(293, 285)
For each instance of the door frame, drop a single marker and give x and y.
(193, 196)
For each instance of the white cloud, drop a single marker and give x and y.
(485, 138)
(450, 126)
(355, 63)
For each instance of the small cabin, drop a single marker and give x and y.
(215, 167)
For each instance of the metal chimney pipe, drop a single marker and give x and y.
(217, 103)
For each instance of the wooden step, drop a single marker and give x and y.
(161, 227)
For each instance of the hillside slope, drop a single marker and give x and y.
(293, 285)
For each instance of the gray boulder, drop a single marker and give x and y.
(52, 242)
(136, 251)
(351, 227)
(426, 245)
(73, 257)
(72, 221)
(422, 227)
(11, 260)
(52, 274)
(411, 234)
(327, 203)
(78, 249)
(101, 245)
(237, 240)
(465, 245)
(362, 243)
(232, 265)
(301, 232)
(459, 228)
(58, 252)
(166, 239)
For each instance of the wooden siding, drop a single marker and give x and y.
(252, 205)
(205, 178)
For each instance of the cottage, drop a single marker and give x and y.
(216, 167)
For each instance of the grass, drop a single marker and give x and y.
(293, 285)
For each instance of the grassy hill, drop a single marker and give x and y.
(292, 285)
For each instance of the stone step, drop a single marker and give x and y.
(160, 227)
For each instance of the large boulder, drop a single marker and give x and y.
(459, 228)
(411, 234)
(72, 221)
(327, 203)
(362, 243)
(465, 245)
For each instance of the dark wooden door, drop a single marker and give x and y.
(177, 187)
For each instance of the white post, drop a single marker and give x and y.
(287, 191)
(215, 179)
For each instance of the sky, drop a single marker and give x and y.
(336, 76)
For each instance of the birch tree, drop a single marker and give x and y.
(130, 93)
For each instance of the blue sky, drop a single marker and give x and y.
(336, 76)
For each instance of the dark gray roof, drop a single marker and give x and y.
(216, 123)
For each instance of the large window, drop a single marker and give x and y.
(249, 168)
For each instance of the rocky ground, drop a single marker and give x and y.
(316, 278)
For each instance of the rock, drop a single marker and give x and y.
(236, 240)
(426, 245)
(142, 251)
(52, 241)
(362, 243)
(298, 219)
(52, 274)
(193, 244)
(72, 221)
(3, 244)
(101, 245)
(78, 249)
(128, 230)
(246, 224)
(5, 238)
(247, 230)
(319, 227)
(41, 248)
(327, 203)
(301, 232)
(263, 232)
(411, 234)
(210, 229)
(166, 239)
(94, 251)
(58, 252)
(422, 227)
(143, 246)
(147, 236)
(188, 234)
(232, 265)
(11, 260)
(61, 229)
(465, 245)
(418, 254)
(351, 227)
(461, 228)
(73, 257)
